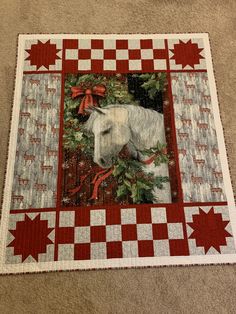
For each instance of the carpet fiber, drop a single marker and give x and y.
(162, 280)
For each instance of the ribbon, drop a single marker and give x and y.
(88, 96)
(153, 157)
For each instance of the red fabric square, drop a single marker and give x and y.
(70, 43)
(147, 65)
(145, 248)
(179, 247)
(97, 43)
(160, 53)
(135, 54)
(82, 217)
(159, 231)
(70, 66)
(113, 216)
(143, 215)
(65, 235)
(122, 66)
(98, 234)
(129, 232)
(82, 251)
(84, 54)
(146, 43)
(114, 249)
(121, 44)
(175, 214)
(110, 54)
(97, 66)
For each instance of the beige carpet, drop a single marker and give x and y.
(209, 289)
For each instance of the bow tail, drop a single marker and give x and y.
(98, 182)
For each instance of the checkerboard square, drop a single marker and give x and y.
(71, 54)
(146, 43)
(161, 247)
(130, 249)
(71, 66)
(98, 250)
(98, 234)
(160, 65)
(65, 235)
(175, 230)
(146, 54)
(98, 217)
(84, 43)
(67, 219)
(179, 247)
(129, 232)
(82, 217)
(109, 44)
(143, 215)
(128, 216)
(70, 43)
(144, 231)
(82, 234)
(97, 65)
(135, 65)
(175, 214)
(160, 231)
(145, 248)
(97, 54)
(113, 216)
(82, 251)
(158, 215)
(65, 252)
(134, 44)
(109, 65)
(97, 44)
(134, 54)
(147, 65)
(113, 233)
(114, 249)
(122, 54)
(110, 54)
(158, 43)
(121, 44)
(160, 54)
(84, 65)
(84, 54)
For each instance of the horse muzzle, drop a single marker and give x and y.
(104, 162)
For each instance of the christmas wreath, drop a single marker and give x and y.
(82, 91)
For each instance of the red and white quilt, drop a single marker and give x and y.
(85, 186)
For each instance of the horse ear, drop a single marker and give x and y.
(99, 110)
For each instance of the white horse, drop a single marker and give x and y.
(118, 125)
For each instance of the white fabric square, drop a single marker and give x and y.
(109, 65)
(135, 65)
(122, 54)
(175, 230)
(144, 232)
(65, 252)
(98, 250)
(71, 54)
(128, 216)
(84, 65)
(146, 54)
(97, 54)
(130, 248)
(109, 44)
(113, 233)
(82, 235)
(98, 217)
(134, 43)
(160, 64)
(84, 43)
(161, 247)
(158, 44)
(158, 215)
(67, 219)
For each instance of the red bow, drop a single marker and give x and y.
(88, 93)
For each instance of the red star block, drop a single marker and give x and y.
(31, 237)
(209, 230)
(186, 53)
(42, 54)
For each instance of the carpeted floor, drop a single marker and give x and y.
(209, 289)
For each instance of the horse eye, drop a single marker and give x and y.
(106, 131)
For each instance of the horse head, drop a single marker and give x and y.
(111, 132)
